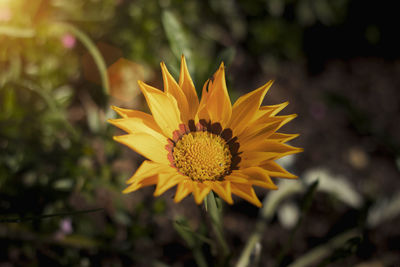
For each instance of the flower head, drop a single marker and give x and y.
(206, 145)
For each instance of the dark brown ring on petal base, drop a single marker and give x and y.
(213, 128)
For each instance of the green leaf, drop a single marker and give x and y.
(193, 240)
(176, 36)
(349, 248)
(309, 196)
(304, 207)
(188, 234)
(349, 239)
(185, 231)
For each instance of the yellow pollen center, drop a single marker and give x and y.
(202, 156)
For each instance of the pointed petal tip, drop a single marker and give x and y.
(274, 187)
(293, 177)
(158, 191)
(127, 190)
(162, 64)
(287, 118)
(282, 105)
(114, 122)
(228, 200)
(255, 201)
(178, 198)
(198, 201)
(269, 83)
(120, 111)
(119, 138)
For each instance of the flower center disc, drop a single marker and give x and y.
(202, 156)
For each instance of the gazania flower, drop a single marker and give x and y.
(206, 145)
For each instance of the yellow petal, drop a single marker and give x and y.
(148, 168)
(246, 192)
(259, 132)
(269, 111)
(166, 181)
(265, 150)
(271, 146)
(223, 189)
(146, 145)
(164, 108)
(218, 103)
(184, 188)
(171, 87)
(265, 124)
(142, 123)
(274, 109)
(145, 182)
(125, 113)
(275, 170)
(200, 190)
(258, 176)
(245, 108)
(282, 138)
(254, 158)
(237, 177)
(186, 83)
(202, 112)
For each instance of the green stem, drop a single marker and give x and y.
(199, 258)
(318, 253)
(216, 220)
(192, 239)
(86, 41)
(305, 206)
(94, 52)
(254, 239)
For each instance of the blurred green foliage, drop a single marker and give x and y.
(56, 151)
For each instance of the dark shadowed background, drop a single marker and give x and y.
(63, 63)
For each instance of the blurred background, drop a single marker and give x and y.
(64, 62)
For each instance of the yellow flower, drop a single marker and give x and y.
(206, 145)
